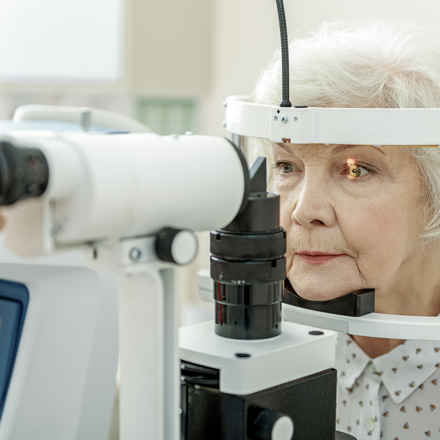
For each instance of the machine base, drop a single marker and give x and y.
(310, 402)
(227, 385)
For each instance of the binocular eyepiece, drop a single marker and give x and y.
(24, 173)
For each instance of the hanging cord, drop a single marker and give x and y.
(284, 54)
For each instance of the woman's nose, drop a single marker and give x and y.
(311, 204)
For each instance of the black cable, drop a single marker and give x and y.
(284, 54)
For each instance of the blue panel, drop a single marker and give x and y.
(14, 299)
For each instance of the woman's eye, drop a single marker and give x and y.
(356, 171)
(284, 167)
(352, 169)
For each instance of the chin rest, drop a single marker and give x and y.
(357, 303)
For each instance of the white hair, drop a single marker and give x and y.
(375, 65)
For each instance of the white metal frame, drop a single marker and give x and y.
(316, 125)
(148, 361)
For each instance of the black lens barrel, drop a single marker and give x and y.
(24, 173)
(248, 266)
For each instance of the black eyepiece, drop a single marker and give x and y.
(24, 173)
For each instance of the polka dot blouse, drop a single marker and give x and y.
(395, 396)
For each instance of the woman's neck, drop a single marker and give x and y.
(375, 347)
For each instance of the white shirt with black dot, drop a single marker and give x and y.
(395, 396)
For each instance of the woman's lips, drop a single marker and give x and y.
(318, 259)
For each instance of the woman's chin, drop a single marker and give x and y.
(321, 295)
(319, 291)
(323, 285)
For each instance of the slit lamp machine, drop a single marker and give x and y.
(98, 218)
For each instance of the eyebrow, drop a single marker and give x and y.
(338, 148)
(344, 147)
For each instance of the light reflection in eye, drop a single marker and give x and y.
(353, 169)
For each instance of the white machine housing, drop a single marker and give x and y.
(64, 376)
(114, 186)
(84, 117)
(294, 354)
(111, 195)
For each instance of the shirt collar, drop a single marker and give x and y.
(350, 360)
(402, 370)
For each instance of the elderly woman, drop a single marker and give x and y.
(377, 209)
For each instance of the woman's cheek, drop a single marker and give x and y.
(383, 227)
(286, 223)
(289, 261)
(285, 211)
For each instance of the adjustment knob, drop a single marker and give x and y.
(178, 246)
(266, 424)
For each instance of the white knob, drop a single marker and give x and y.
(184, 248)
(178, 246)
(267, 424)
(282, 429)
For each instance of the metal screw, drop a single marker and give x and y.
(225, 105)
(135, 254)
(284, 120)
(295, 118)
(275, 118)
(224, 124)
(242, 355)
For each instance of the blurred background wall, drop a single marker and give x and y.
(169, 63)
